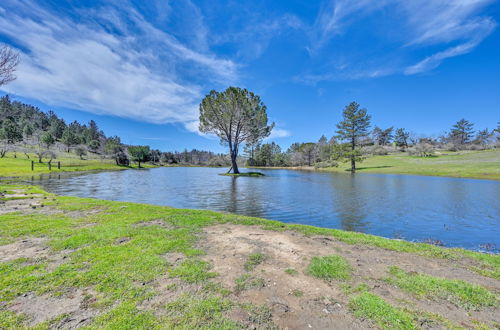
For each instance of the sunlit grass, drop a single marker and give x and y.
(330, 268)
(21, 166)
(458, 292)
(465, 164)
(370, 306)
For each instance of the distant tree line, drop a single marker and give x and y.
(353, 141)
(26, 129)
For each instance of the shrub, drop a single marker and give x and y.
(326, 163)
(422, 149)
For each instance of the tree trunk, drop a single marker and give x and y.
(139, 163)
(234, 164)
(353, 161)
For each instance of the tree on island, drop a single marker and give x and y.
(139, 154)
(236, 116)
(351, 129)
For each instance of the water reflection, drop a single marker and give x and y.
(459, 212)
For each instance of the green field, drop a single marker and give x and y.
(21, 165)
(465, 164)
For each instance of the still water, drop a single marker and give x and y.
(458, 212)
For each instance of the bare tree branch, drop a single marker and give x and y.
(9, 59)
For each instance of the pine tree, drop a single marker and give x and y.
(354, 126)
(462, 131)
(402, 137)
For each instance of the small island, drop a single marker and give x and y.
(250, 174)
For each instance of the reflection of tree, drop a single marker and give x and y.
(245, 197)
(457, 194)
(349, 203)
(232, 206)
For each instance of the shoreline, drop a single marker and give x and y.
(465, 165)
(483, 165)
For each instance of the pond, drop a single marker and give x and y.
(457, 212)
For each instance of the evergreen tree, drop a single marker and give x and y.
(324, 149)
(139, 153)
(236, 116)
(351, 129)
(10, 132)
(402, 137)
(28, 130)
(462, 132)
(69, 138)
(94, 145)
(382, 137)
(47, 139)
(483, 136)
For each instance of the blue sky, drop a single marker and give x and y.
(140, 68)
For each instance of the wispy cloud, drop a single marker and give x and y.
(142, 73)
(335, 16)
(452, 27)
(435, 60)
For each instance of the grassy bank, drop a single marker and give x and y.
(69, 262)
(471, 164)
(465, 164)
(21, 165)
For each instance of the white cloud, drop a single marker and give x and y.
(443, 21)
(435, 60)
(277, 133)
(143, 74)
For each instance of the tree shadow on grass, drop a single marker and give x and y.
(369, 167)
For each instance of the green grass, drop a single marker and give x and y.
(250, 174)
(21, 166)
(193, 271)
(189, 312)
(458, 292)
(330, 268)
(370, 306)
(297, 293)
(464, 164)
(254, 260)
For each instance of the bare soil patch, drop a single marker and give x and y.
(157, 222)
(43, 308)
(31, 248)
(25, 205)
(323, 304)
